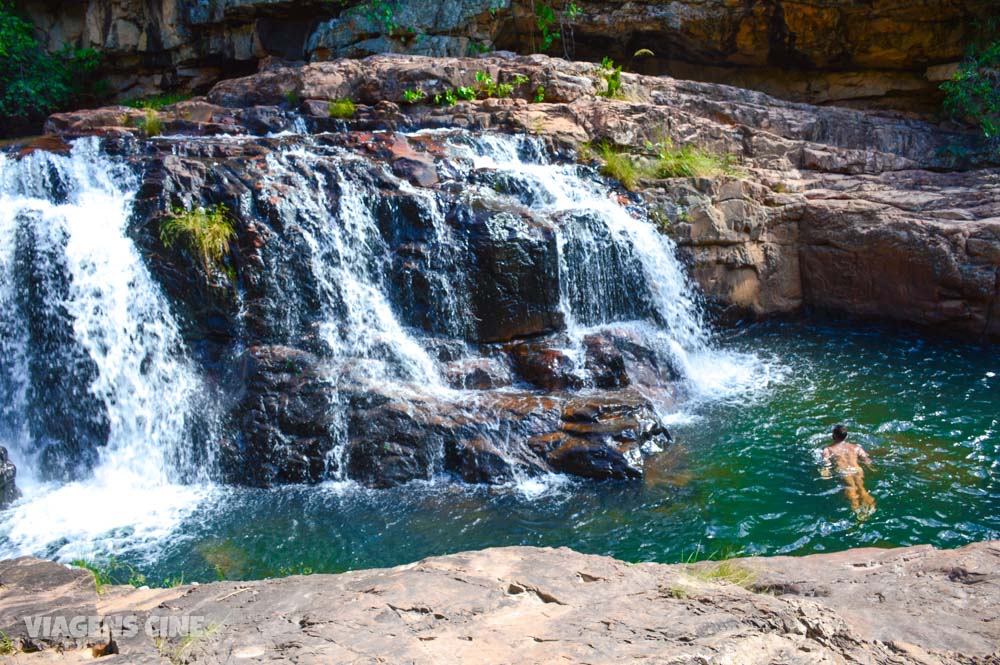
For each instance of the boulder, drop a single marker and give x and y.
(8, 490)
(516, 273)
(285, 422)
(542, 364)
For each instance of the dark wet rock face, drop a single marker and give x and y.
(8, 491)
(341, 236)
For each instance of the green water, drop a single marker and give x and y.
(742, 476)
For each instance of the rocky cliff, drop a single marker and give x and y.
(908, 606)
(879, 53)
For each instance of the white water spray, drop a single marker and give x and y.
(78, 206)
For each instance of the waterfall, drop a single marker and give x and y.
(106, 415)
(615, 266)
(96, 387)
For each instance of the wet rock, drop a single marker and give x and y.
(603, 436)
(8, 490)
(285, 423)
(582, 457)
(516, 273)
(478, 374)
(618, 357)
(538, 363)
(67, 421)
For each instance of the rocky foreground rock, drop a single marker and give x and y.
(914, 605)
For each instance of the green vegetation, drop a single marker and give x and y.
(205, 232)
(466, 93)
(292, 98)
(342, 109)
(413, 96)
(111, 572)
(157, 102)
(448, 98)
(539, 94)
(730, 571)
(34, 82)
(7, 647)
(973, 93)
(689, 161)
(150, 123)
(101, 572)
(555, 24)
(622, 166)
(487, 86)
(612, 76)
(545, 19)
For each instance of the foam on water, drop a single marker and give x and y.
(77, 206)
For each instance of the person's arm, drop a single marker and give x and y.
(863, 456)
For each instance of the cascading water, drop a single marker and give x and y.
(377, 276)
(97, 389)
(615, 266)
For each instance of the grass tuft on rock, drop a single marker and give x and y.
(730, 571)
(622, 166)
(691, 161)
(204, 232)
(342, 109)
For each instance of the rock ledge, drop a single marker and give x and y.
(529, 605)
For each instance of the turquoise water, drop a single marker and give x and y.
(742, 476)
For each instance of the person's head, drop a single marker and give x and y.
(839, 434)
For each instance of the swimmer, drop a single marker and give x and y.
(846, 459)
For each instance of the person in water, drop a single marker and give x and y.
(846, 459)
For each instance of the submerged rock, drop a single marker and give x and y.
(8, 491)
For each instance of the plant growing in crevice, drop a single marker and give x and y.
(413, 96)
(622, 166)
(539, 94)
(150, 123)
(612, 76)
(341, 109)
(292, 98)
(690, 161)
(7, 647)
(446, 98)
(204, 232)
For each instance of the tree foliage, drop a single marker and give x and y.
(34, 82)
(973, 93)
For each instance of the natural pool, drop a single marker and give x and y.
(743, 476)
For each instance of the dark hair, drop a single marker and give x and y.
(839, 433)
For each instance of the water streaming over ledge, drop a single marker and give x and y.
(98, 393)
